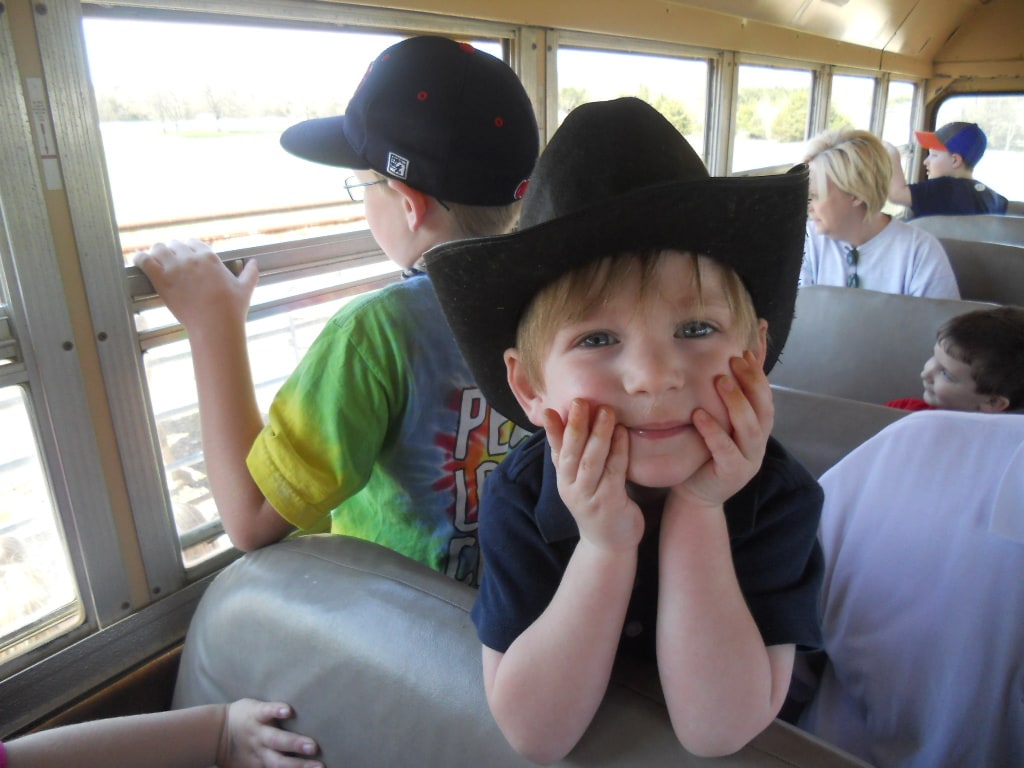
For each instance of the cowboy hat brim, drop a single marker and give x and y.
(754, 225)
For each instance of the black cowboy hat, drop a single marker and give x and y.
(618, 177)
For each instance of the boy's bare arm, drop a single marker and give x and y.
(212, 305)
(899, 191)
(545, 689)
(722, 686)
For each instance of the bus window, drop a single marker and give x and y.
(191, 140)
(899, 113)
(40, 600)
(676, 87)
(772, 116)
(851, 103)
(1001, 116)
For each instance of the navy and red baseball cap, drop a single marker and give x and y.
(964, 139)
(441, 116)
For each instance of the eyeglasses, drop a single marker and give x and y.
(852, 259)
(357, 189)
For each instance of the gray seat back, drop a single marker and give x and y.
(987, 271)
(986, 227)
(379, 658)
(820, 430)
(862, 345)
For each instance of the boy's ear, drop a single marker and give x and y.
(760, 350)
(530, 398)
(995, 404)
(414, 203)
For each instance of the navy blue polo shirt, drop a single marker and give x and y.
(527, 536)
(952, 195)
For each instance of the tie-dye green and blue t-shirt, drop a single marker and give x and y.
(382, 427)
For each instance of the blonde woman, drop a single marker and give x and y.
(850, 242)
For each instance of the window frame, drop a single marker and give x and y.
(138, 595)
(47, 362)
(556, 39)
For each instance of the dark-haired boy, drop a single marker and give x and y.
(977, 364)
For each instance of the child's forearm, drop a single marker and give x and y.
(231, 420)
(548, 685)
(176, 739)
(716, 673)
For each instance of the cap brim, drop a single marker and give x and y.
(929, 140)
(755, 225)
(322, 140)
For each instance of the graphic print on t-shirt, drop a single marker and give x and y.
(482, 439)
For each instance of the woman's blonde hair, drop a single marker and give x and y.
(576, 294)
(856, 162)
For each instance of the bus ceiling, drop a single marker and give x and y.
(944, 43)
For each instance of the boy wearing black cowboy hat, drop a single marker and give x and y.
(380, 432)
(630, 317)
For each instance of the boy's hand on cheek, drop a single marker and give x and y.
(590, 462)
(736, 453)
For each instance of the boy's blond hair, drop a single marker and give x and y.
(574, 295)
(856, 162)
(484, 220)
(474, 220)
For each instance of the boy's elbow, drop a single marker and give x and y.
(242, 538)
(540, 748)
(539, 742)
(248, 537)
(710, 744)
(731, 733)
(537, 750)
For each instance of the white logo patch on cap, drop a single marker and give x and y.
(398, 166)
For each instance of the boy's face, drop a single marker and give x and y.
(949, 383)
(387, 220)
(939, 163)
(653, 362)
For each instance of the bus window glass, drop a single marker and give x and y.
(899, 113)
(191, 141)
(676, 87)
(1001, 116)
(852, 99)
(772, 115)
(38, 597)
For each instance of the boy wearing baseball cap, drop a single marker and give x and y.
(380, 431)
(633, 316)
(950, 189)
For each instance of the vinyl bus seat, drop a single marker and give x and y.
(862, 345)
(987, 271)
(379, 658)
(982, 227)
(819, 430)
